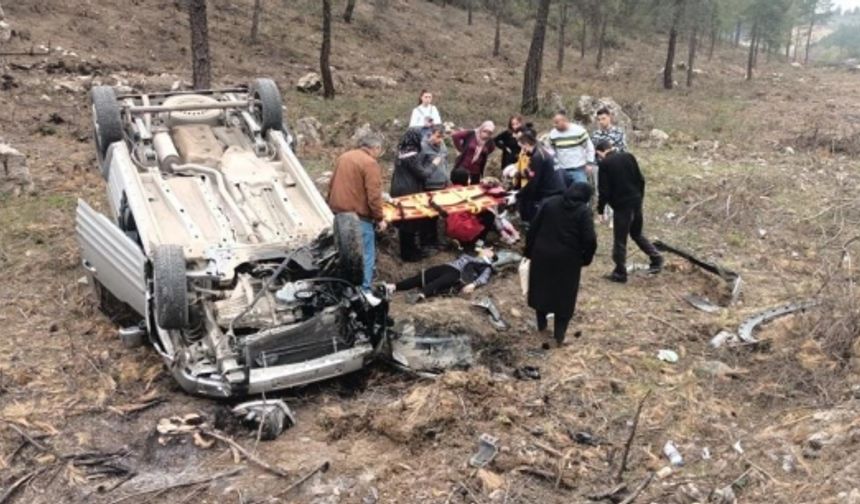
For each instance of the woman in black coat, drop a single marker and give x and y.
(410, 176)
(560, 242)
(542, 179)
(506, 141)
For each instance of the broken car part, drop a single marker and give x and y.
(494, 315)
(732, 278)
(421, 347)
(269, 416)
(702, 304)
(746, 329)
(488, 448)
(527, 373)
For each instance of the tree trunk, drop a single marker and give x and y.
(668, 82)
(755, 53)
(713, 43)
(809, 34)
(583, 39)
(788, 44)
(601, 41)
(562, 22)
(325, 52)
(738, 33)
(255, 20)
(691, 55)
(497, 40)
(751, 57)
(469, 10)
(347, 12)
(534, 63)
(201, 64)
(797, 39)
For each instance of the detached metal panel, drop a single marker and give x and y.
(111, 257)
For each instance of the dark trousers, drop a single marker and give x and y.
(432, 281)
(413, 235)
(475, 178)
(559, 326)
(629, 222)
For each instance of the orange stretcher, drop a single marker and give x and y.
(473, 198)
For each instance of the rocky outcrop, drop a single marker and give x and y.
(14, 174)
(309, 83)
(308, 131)
(374, 81)
(587, 107)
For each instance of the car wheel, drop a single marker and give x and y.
(170, 287)
(268, 106)
(350, 250)
(107, 123)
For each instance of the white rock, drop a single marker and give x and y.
(14, 174)
(374, 81)
(309, 83)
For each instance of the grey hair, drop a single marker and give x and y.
(370, 140)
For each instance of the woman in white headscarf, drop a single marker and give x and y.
(474, 146)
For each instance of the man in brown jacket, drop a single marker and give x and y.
(356, 186)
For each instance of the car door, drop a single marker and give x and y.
(111, 257)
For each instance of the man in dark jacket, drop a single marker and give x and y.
(560, 242)
(622, 187)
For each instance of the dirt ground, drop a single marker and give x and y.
(760, 177)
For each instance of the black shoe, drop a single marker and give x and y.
(559, 339)
(617, 277)
(656, 265)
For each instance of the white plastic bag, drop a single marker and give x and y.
(524, 276)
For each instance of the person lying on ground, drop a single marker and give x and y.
(425, 115)
(606, 131)
(622, 187)
(560, 242)
(506, 141)
(412, 171)
(574, 152)
(465, 274)
(543, 179)
(474, 147)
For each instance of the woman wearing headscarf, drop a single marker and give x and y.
(416, 172)
(474, 146)
(560, 242)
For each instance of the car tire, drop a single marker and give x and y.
(107, 122)
(268, 106)
(170, 287)
(350, 249)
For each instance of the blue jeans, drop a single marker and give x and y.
(572, 175)
(368, 239)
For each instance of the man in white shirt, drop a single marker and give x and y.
(574, 152)
(425, 115)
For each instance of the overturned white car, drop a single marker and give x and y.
(219, 245)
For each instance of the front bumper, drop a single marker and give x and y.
(276, 377)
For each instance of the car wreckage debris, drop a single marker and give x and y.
(748, 326)
(269, 416)
(488, 448)
(732, 278)
(702, 304)
(494, 315)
